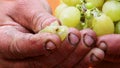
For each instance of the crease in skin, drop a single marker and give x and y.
(84, 33)
(24, 28)
(42, 20)
(14, 47)
(72, 49)
(82, 43)
(14, 50)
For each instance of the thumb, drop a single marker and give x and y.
(18, 45)
(42, 20)
(33, 17)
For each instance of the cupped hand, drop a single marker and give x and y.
(21, 46)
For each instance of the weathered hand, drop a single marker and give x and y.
(21, 46)
(111, 45)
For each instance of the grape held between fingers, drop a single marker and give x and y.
(55, 28)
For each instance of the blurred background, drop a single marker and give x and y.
(53, 4)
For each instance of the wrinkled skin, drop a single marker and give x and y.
(110, 44)
(21, 46)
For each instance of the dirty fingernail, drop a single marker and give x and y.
(50, 45)
(88, 40)
(73, 39)
(94, 58)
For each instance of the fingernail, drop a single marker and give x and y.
(94, 58)
(73, 39)
(50, 46)
(103, 46)
(88, 40)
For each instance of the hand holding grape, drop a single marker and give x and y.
(100, 17)
(24, 45)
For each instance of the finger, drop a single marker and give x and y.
(111, 45)
(94, 57)
(15, 44)
(68, 45)
(87, 42)
(33, 17)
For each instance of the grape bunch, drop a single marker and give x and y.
(102, 16)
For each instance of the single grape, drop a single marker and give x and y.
(117, 28)
(61, 31)
(89, 5)
(72, 2)
(96, 3)
(51, 28)
(102, 25)
(59, 9)
(112, 9)
(70, 17)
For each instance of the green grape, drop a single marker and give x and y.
(103, 25)
(61, 31)
(96, 3)
(117, 28)
(72, 2)
(59, 9)
(112, 9)
(52, 28)
(89, 5)
(70, 17)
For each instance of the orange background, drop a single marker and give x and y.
(53, 4)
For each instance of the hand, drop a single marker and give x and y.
(21, 46)
(111, 45)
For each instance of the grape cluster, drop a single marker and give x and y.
(102, 16)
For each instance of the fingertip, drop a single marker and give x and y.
(88, 37)
(45, 43)
(74, 36)
(95, 56)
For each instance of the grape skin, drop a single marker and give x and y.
(61, 31)
(70, 17)
(71, 2)
(112, 9)
(117, 28)
(96, 3)
(59, 9)
(103, 25)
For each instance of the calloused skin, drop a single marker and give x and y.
(23, 46)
